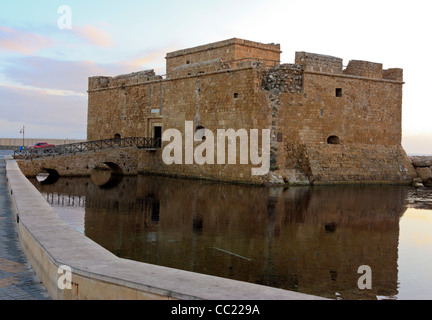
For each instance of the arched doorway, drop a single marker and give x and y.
(333, 140)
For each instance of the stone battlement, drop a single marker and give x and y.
(328, 64)
(319, 62)
(122, 80)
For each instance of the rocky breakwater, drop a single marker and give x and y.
(423, 166)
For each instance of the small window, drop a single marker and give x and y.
(200, 133)
(188, 62)
(338, 92)
(279, 137)
(236, 95)
(333, 140)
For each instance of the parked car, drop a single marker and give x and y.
(41, 145)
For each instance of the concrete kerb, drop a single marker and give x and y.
(97, 274)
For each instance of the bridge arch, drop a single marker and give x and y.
(48, 176)
(115, 168)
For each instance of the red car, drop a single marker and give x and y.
(41, 145)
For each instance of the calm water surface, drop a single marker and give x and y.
(307, 239)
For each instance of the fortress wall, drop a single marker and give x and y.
(249, 50)
(223, 100)
(359, 163)
(221, 50)
(123, 110)
(366, 112)
(227, 99)
(395, 74)
(365, 115)
(198, 68)
(364, 69)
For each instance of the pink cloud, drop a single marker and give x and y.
(22, 42)
(94, 35)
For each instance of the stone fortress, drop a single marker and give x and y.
(329, 124)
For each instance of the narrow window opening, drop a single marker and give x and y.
(322, 113)
(338, 92)
(188, 62)
(236, 95)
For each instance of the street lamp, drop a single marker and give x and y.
(22, 131)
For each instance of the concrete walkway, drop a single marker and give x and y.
(18, 281)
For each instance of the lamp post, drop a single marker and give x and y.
(22, 131)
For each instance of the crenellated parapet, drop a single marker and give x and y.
(319, 62)
(313, 62)
(103, 82)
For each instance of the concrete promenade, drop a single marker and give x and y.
(18, 281)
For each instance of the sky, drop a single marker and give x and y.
(47, 53)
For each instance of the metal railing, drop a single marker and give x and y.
(88, 146)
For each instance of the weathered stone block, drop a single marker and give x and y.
(424, 173)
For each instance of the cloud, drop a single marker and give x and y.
(22, 42)
(147, 58)
(50, 95)
(56, 76)
(33, 108)
(95, 36)
(62, 77)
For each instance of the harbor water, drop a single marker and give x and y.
(311, 240)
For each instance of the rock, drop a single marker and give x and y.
(427, 182)
(418, 185)
(424, 173)
(418, 180)
(422, 161)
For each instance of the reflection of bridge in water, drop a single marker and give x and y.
(308, 239)
(142, 205)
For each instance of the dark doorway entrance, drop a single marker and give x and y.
(157, 136)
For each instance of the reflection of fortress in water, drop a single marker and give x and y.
(309, 240)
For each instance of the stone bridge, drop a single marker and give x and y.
(121, 156)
